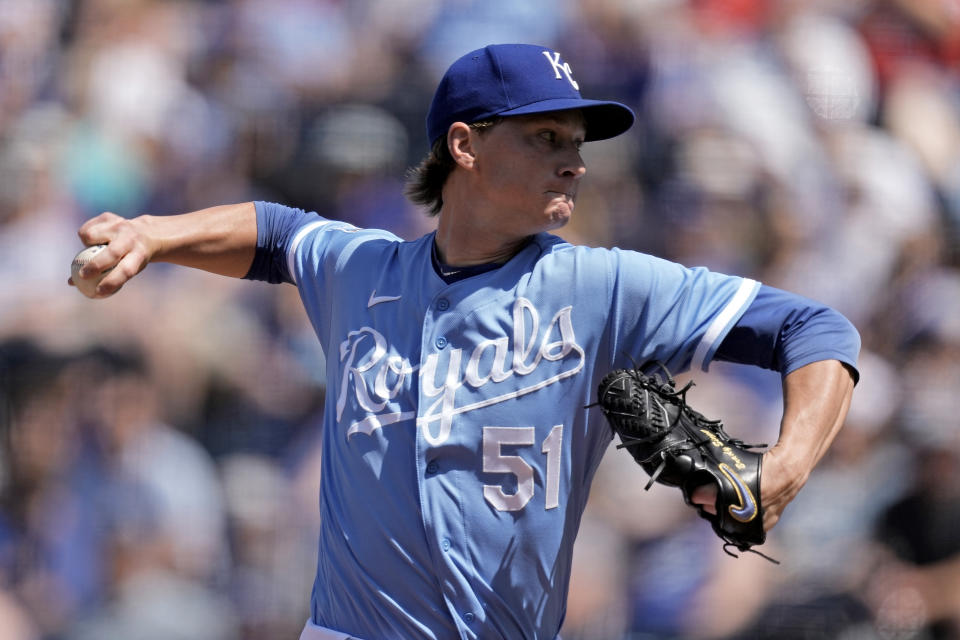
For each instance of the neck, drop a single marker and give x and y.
(462, 244)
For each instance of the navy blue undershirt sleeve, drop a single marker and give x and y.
(276, 224)
(783, 331)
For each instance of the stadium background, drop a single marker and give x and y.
(159, 464)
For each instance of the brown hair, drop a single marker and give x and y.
(425, 181)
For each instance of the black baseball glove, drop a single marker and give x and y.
(679, 447)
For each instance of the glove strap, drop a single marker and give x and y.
(747, 549)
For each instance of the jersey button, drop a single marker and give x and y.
(468, 617)
(441, 342)
(445, 544)
(443, 304)
(433, 467)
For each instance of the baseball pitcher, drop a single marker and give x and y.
(458, 450)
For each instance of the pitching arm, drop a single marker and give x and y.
(220, 239)
(815, 349)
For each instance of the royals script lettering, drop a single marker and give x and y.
(374, 379)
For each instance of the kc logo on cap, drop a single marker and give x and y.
(517, 79)
(554, 59)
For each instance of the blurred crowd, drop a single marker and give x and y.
(159, 459)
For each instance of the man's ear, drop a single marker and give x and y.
(460, 143)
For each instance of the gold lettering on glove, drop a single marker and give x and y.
(727, 451)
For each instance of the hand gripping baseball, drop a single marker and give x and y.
(679, 447)
(123, 253)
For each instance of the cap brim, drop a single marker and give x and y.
(603, 119)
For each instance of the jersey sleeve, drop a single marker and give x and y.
(293, 244)
(276, 227)
(674, 314)
(783, 331)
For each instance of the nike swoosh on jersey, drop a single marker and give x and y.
(375, 299)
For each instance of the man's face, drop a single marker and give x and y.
(529, 170)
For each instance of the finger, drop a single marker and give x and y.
(705, 497)
(123, 271)
(104, 260)
(100, 229)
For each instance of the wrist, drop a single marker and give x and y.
(148, 237)
(792, 468)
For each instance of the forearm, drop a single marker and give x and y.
(816, 398)
(815, 402)
(220, 239)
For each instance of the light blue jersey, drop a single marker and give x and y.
(457, 452)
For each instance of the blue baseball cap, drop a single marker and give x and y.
(513, 80)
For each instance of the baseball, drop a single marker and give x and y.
(87, 286)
